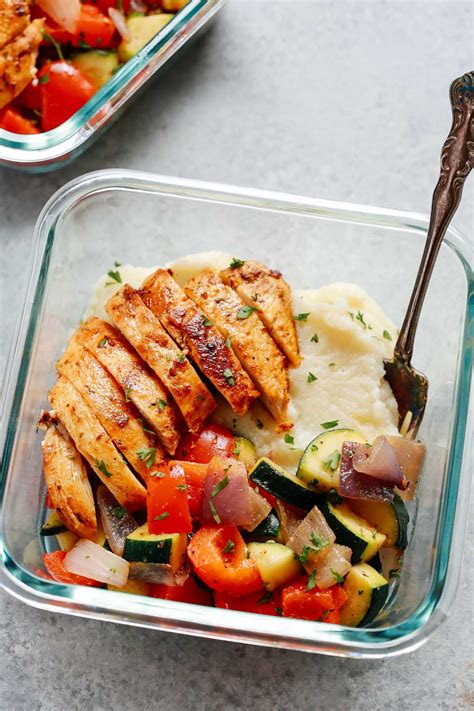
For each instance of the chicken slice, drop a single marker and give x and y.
(146, 334)
(110, 404)
(249, 338)
(266, 289)
(192, 329)
(14, 18)
(143, 388)
(17, 62)
(95, 445)
(66, 479)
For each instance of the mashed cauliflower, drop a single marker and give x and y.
(344, 337)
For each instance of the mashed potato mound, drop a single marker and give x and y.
(344, 338)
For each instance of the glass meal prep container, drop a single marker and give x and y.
(145, 219)
(47, 151)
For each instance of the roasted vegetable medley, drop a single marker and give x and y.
(149, 495)
(56, 54)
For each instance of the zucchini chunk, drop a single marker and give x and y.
(144, 547)
(367, 592)
(66, 540)
(244, 451)
(269, 528)
(353, 531)
(284, 486)
(388, 518)
(53, 525)
(319, 465)
(276, 563)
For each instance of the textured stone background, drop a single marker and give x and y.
(343, 100)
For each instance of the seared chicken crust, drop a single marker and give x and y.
(144, 389)
(266, 289)
(95, 445)
(17, 61)
(192, 329)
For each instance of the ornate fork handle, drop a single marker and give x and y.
(457, 160)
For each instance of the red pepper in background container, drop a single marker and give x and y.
(64, 90)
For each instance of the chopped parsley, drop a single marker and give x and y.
(119, 511)
(115, 275)
(236, 263)
(311, 581)
(359, 316)
(236, 447)
(214, 513)
(228, 342)
(159, 475)
(279, 611)
(162, 404)
(229, 547)
(127, 392)
(289, 439)
(206, 321)
(317, 544)
(329, 425)
(147, 455)
(315, 338)
(56, 45)
(181, 358)
(331, 365)
(387, 336)
(181, 487)
(219, 486)
(117, 264)
(165, 514)
(100, 464)
(229, 376)
(103, 342)
(245, 311)
(44, 79)
(200, 397)
(332, 462)
(300, 317)
(338, 578)
(311, 377)
(259, 423)
(266, 598)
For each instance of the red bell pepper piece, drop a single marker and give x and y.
(65, 89)
(194, 475)
(219, 557)
(94, 29)
(167, 501)
(315, 604)
(189, 592)
(54, 564)
(12, 120)
(212, 441)
(31, 97)
(51, 28)
(261, 601)
(104, 5)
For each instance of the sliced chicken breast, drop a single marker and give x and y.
(266, 289)
(146, 334)
(14, 19)
(18, 60)
(249, 338)
(95, 445)
(192, 329)
(66, 479)
(143, 388)
(112, 407)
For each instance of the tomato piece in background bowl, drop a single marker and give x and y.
(212, 441)
(219, 558)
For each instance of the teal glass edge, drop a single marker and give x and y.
(62, 135)
(339, 640)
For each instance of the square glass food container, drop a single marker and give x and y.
(145, 219)
(47, 151)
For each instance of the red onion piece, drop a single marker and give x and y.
(228, 498)
(312, 539)
(290, 518)
(380, 462)
(118, 18)
(411, 456)
(353, 485)
(93, 561)
(116, 521)
(335, 565)
(64, 12)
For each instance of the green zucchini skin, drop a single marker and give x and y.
(379, 598)
(53, 526)
(360, 546)
(284, 486)
(403, 521)
(147, 551)
(367, 592)
(269, 528)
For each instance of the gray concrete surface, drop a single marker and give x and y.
(343, 100)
